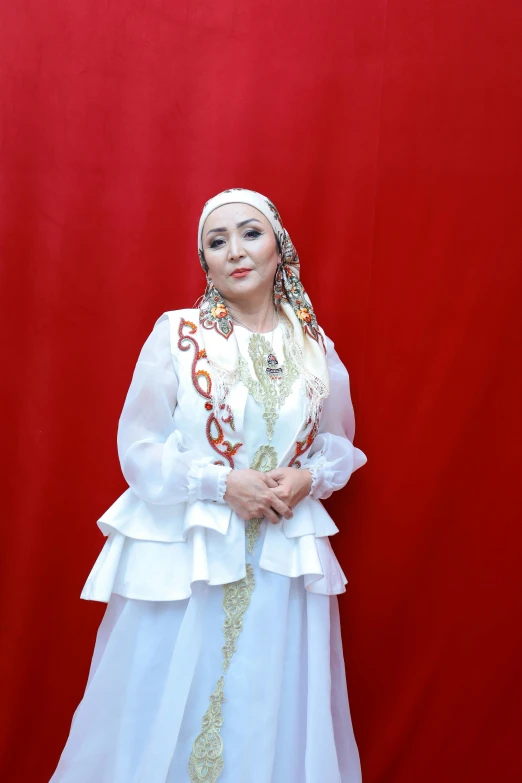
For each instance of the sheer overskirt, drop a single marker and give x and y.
(286, 712)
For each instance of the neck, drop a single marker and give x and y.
(258, 316)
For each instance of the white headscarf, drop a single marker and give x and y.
(305, 341)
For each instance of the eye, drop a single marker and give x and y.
(215, 244)
(253, 233)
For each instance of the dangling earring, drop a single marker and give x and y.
(213, 311)
(278, 283)
(289, 252)
(208, 295)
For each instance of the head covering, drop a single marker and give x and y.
(305, 339)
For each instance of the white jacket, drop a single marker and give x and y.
(171, 527)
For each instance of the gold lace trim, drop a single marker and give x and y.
(206, 760)
(205, 763)
(269, 393)
(265, 459)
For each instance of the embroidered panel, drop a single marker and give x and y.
(203, 385)
(268, 392)
(264, 459)
(206, 759)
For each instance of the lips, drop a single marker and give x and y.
(241, 272)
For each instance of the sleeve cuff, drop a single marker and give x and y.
(207, 481)
(316, 469)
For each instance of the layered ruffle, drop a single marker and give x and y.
(156, 552)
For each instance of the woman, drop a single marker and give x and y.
(219, 656)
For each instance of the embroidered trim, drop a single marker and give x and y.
(271, 395)
(206, 760)
(265, 459)
(302, 446)
(213, 429)
(198, 354)
(217, 440)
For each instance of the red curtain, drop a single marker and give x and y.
(388, 134)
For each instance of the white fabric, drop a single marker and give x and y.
(172, 542)
(244, 196)
(171, 528)
(286, 717)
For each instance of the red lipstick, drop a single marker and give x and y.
(241, 272)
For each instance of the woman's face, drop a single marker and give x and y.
(241, 252)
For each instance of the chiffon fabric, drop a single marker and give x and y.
(159, 649)
(171, 528)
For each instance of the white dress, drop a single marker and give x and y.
(232, 681)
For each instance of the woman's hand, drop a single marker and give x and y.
(292, 484)
(252, 494)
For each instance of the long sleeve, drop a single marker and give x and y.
(333, 457)
(154, 461)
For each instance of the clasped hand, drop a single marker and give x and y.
(252, 494)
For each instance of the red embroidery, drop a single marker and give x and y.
(302, 446)
(198, 354)
(217, 440)
(214, 430)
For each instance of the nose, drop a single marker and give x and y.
(235, 247)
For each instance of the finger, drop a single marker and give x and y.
(269, 481)
(276, 474)
(272, 517)
(281, 507)
(281, 493)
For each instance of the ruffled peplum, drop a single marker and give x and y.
(157, 552)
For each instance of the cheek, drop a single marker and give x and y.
(215, 265)
(266, 259)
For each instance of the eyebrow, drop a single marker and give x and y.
(238, 225)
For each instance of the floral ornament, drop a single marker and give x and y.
(219, 311)
(304, 314)
(272, 207)
(288, 286)
(213, 312)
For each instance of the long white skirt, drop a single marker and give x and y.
(285, 717)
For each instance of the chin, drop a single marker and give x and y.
(244, 285)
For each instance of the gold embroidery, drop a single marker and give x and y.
(235, 603)
(206, 760)
(205, 763)
(265, 459)
(252, 532)
(266, 392)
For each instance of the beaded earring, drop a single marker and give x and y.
(213, 312)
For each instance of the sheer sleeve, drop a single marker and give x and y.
(333, 457)
(154, 461)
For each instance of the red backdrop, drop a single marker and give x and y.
(388, 134)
